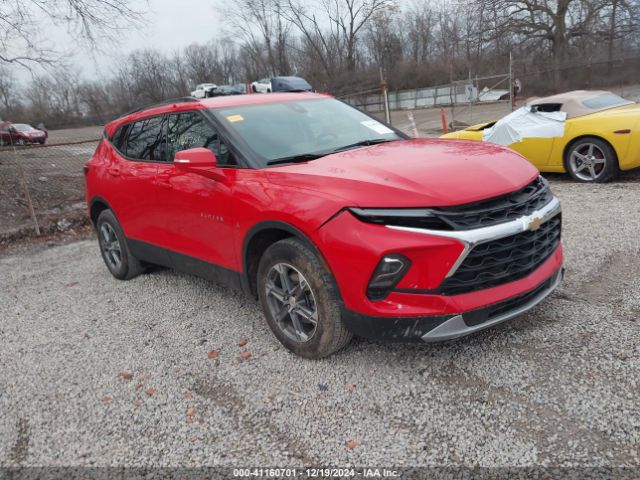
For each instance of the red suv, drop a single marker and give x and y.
(337, 223)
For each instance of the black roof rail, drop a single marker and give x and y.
(160, 104)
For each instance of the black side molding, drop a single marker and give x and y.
(150, 253)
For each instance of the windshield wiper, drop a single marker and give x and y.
(303, 157)
(364, 143)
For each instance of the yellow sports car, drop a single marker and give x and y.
(592, 135)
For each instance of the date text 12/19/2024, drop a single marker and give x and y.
(315, 472)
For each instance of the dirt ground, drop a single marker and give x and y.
(98, 372)
(81, 134)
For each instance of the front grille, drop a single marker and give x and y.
(469, 216)
(486, 314)
(505, 260)
(497, 210)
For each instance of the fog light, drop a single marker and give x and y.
(386, 276)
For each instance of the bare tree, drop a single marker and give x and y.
(200, 64)
(264, 32)
(148, 76)
(55, 97)
(383, 41)
(332, 28)
(418, 25)
(621, 19)
(554, 23)
(339, 46)
(21, 26)
(8, 97)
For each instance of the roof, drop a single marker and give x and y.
(213, 102)
(573, 103)
(259, 98)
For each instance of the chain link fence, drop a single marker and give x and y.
(459, 92)
(461, 97)
(620, 75)
(42, 187)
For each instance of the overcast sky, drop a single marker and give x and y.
(170, 25)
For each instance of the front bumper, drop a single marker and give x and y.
(353, 248)
(447, 327)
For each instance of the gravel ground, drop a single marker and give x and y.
(108, 373)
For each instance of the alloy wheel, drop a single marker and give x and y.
(291, 302)
(588, 162)
(110, 246)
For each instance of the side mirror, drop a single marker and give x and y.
(198, 160)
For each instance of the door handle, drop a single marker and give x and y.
(114, 171)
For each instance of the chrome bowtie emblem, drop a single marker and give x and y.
(535, 223)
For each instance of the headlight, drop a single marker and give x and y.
(401, 217)
(387, 275)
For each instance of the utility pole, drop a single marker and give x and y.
(511, 98)
(385, 96)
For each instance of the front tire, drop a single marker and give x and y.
(300, 300)
(591, 160)
(114, 249)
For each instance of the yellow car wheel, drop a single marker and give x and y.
(591, 160)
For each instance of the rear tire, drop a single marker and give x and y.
(591, 160)
(114, 249)
(300, 300)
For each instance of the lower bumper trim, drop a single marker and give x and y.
(466, 324)
(447, 327)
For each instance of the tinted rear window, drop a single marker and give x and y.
(146, 140)
(604, 101)
(119, 137)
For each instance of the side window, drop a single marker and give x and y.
(118, 138)
(191, 130)
(145, 140)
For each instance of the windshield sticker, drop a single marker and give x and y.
(376, 127)
(235, 118)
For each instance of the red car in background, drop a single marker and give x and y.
(337, 223)
(21, 134)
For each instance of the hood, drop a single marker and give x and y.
(412, 173)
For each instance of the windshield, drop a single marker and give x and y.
(21, 127)
(287, 132)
